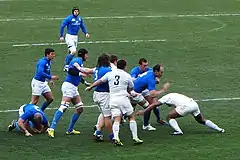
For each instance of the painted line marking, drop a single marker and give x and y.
(91, 106)
(126, 17)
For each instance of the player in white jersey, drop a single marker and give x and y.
(120, 84)
(183, 106)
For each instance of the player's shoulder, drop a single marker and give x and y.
(134, 69)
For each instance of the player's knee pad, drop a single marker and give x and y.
(78, 107)
(145, 105)
(64, 106)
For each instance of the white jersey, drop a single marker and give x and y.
(175, 99)
(119, 81)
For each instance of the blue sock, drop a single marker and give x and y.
(157, 113)
(110, 136)
(75, 117)
(17, 127)
(146, 118)
(68, 59)
(44, 105)
(98, 132)
(58, 114)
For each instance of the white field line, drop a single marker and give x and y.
(126, 17)
(91, 42)
(91, 106)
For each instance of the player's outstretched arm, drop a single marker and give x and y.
(150, 107)
(95, 84)
(22, 126)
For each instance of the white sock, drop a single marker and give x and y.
(173, 123)
(99, 118)
(115, 129)
(211, 125)
(133, 128)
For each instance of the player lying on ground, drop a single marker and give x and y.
(183, 106)
(31, 120)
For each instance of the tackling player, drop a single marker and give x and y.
(73, 22)
(183, 106)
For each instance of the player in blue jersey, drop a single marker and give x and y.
(135, 72)
(70, 93)
(74, 23)
(31, 120)
(39, 82)
(147, 80)
(101, 97)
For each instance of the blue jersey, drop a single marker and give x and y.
(144, 81)
(75, 80)
(29, 111)
(43, 69)
(73, 24)
(98, 74)
(136, 71)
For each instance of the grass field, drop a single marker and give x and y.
(200, 54)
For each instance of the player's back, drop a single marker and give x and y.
(75, 80)
(98, 74)
(143, 80)
(119, 81)
(175, 99)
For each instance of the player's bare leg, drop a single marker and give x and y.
(48, 100)
(172, 115)
(199, 118)
(35, 99)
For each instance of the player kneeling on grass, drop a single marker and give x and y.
(120, 83)
(31, 120)
(183, 106)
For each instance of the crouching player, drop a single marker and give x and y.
(31, 120)
(183, 106)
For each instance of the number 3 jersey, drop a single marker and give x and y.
(119, 81)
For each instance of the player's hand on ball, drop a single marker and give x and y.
(61, 39)
(87, 35)
(141, 112)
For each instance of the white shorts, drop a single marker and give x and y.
(39, 88)
(71, 41)
(102, 100)
(120, 105)
(145, 93)
(20, 110)
(69, 90)
(137, 99)
(190, 108)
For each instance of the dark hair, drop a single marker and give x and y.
(157, 67)
(141, 60)
(48, 51)
(82, 52)
(74, 8)
(121, 64)
(113, 58)
(103, 60)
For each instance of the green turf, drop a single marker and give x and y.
(200, 56)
